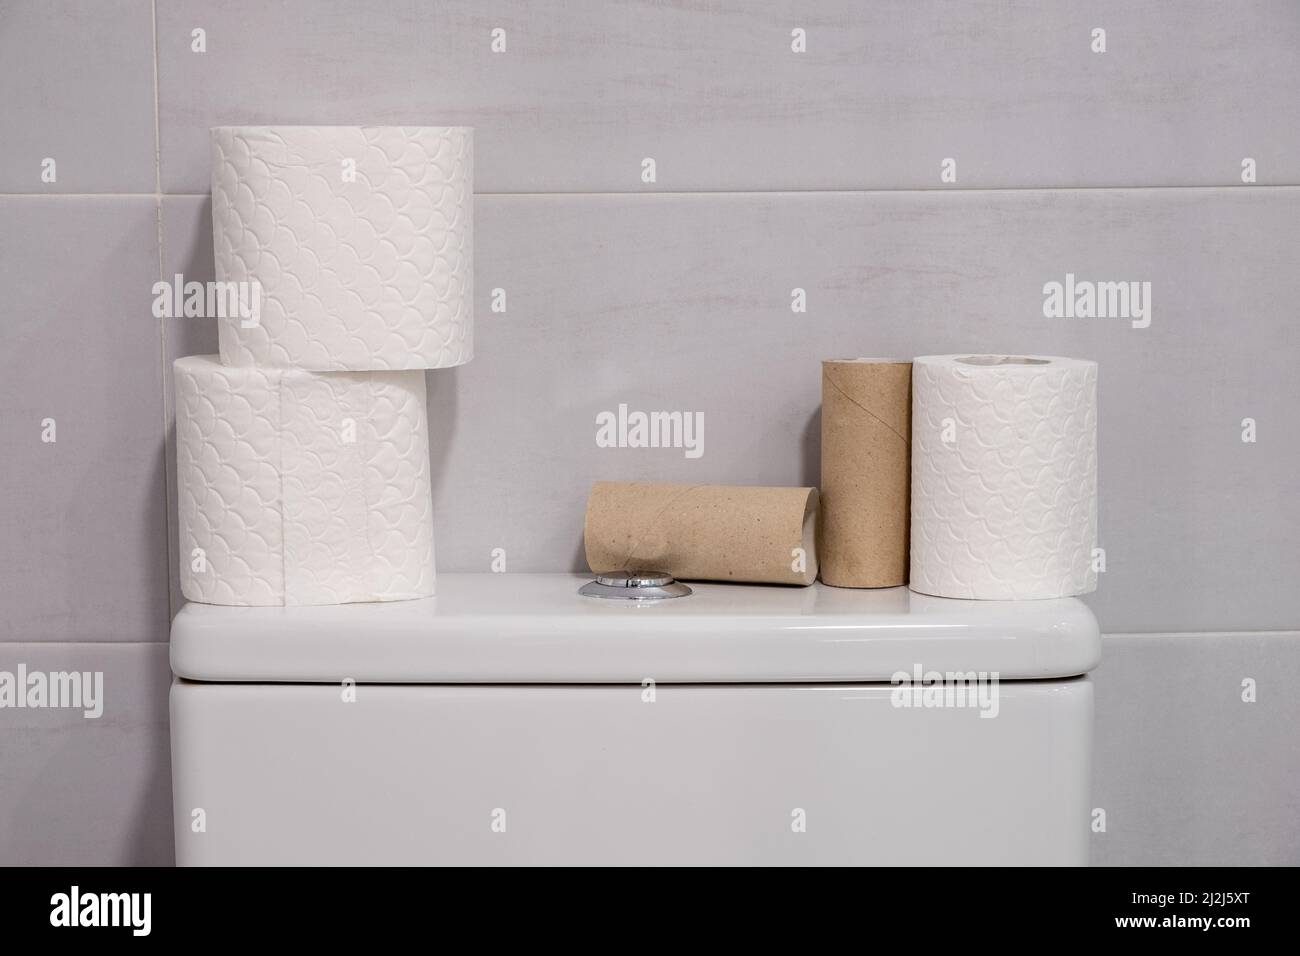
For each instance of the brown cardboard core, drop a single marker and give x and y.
(762, 535)
(1001, 360)
(866, 439)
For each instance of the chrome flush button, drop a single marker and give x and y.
(634, 586)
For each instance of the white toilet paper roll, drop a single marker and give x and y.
(302, 487)
(357, 243)
(1004, 476)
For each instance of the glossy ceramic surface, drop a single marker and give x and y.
(536, 628)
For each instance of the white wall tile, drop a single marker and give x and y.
(77, 81)
(886, 90)
(77, 791)
(1188, 773)
(82, 519)
(683, 304)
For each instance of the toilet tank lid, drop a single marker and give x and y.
(536, 628)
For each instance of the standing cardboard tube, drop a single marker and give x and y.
(866, 472)
(704, 532)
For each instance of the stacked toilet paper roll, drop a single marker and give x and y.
(303, 453)
(1004, 476)
(360, 240)
(866, 441)
(302, 487)
(703, 532)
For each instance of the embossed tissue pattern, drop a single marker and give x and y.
(1008, 511)
(301, 487)
(371, 273)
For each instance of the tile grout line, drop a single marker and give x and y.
(1219, 632)
(144, 195)
(1226, 635)
(162, 323)
(157, 138)
(884, 191)
(107, 643)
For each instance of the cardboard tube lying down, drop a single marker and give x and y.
(704, 532)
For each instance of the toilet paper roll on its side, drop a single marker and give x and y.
(866, 444)
(1004, 476)
(354, 245)
(302, 487)
(704, 532)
